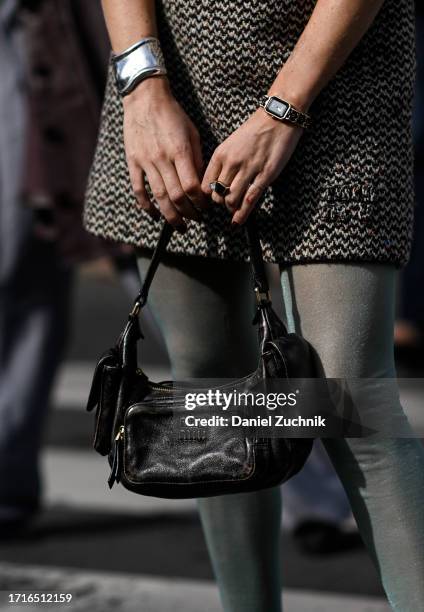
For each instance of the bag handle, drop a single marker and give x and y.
(260, 281)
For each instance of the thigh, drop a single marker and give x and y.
(204, 308)
(346, 311)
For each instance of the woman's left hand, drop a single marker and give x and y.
(249, 160)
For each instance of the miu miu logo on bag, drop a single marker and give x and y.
(191, 435)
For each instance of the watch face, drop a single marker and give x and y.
(277, 107)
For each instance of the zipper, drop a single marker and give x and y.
(115, 471)
(158, 387)
(164, 389)
(170, 389)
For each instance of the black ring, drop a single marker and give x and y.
(219, 188)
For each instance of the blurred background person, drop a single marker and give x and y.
(409, 332)
(53, 55)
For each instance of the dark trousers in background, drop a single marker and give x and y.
(412, 293)
(34, 297)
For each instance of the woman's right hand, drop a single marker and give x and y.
(162, 144)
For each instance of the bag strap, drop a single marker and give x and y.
(160, 249)
(260, 281)
(259, 277)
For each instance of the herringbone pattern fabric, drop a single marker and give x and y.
(346, 195)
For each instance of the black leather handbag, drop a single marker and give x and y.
(134, 416)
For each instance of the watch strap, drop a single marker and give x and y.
(292, 115)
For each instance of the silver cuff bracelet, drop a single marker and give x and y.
(138, 62)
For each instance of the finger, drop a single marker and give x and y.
(176, 192)
(161, 196)
(211, 173)
(189, 179)
(251, 197)
(140, 193)
(239, 187)
(226, 177)
(219, 169)
(196, 145)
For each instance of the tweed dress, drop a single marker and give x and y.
(347, 193)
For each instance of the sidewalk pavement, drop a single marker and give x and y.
(107, 592)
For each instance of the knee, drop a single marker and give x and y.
(383, 460)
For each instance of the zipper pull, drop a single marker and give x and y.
(115, 472)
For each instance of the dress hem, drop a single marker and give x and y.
(283, 262)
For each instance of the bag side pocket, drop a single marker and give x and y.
(106, 409)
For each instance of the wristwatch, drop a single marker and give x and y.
(284, 111)
(139, 62)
